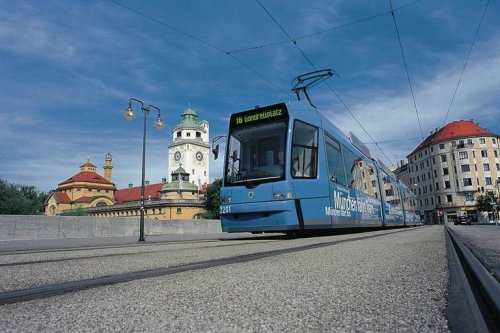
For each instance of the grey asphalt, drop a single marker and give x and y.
(395, 282)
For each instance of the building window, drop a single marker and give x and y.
(482, 141)
(198, 134)
(449, 198)
(439, 199)
(178, 134)
(192, 172)
(432, 201)
(435, 173)
(462, 155)
(486, 167)
(494, 141)
(179, 211)
(496, 153)
(432, 149)
(469, 196)
(443, 158)
(484, 153)
(498, 166)
(488, 180)
(188, 134)
(437, 186)
(433, 160)
(465, 167)
(447, 184)
(467, 182)
(453, 143)
(469, 141)
(425, 151)
(430, 188)
(445, 171)
(441, 146)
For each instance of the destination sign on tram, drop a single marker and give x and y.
(259, 115)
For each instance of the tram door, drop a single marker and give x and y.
(337, 182)
(311, 191)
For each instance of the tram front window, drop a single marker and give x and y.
(256, 154)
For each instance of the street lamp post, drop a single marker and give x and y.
(158, 124)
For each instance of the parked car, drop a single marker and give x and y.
(462, 220)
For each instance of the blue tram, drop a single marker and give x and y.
(289, 169)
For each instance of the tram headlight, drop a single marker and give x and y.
(225, 200)
(282, 195)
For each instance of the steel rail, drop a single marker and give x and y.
(485, 288)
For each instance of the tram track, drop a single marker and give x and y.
(102, 256)
(481, 289)
(33, 293)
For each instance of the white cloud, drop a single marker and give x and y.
(392, 117)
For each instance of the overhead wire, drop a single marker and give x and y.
(368, 18)
(294, 41)
(193, 37)
(406, 70)
(465, 64)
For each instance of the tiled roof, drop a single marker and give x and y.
(87, 176)
(134, 193)
(61, 197)
(454, 130)
(84, 199)
(204, 187)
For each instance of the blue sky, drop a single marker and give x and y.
(68, 69)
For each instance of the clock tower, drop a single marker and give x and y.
(190, 148)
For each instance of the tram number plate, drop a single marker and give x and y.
(225, 209)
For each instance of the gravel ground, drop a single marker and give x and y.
(390, 283)
(138, 258)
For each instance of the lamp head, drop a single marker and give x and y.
(159, 124)
(129, 114)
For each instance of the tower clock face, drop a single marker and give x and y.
(199, 156)
(177, 155)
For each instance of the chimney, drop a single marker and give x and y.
(130, 185)
(164, 180)
(146, 182)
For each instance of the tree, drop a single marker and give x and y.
(212, 200)
(21, 199)
(485, 201)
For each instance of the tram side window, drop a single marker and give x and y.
(391, 191)
(304, 151)
(335, 161)
(368, 180)
(351, 167)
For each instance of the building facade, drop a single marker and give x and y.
(190, 148)
(181, 198)
(83, 190)
(177, 200)
(451, 167)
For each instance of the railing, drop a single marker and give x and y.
(147, 204)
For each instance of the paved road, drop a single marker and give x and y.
(484, 242)
(376, 281)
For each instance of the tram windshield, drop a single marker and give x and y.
(256, 154)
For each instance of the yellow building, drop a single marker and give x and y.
(178, 200)
(83, 190)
